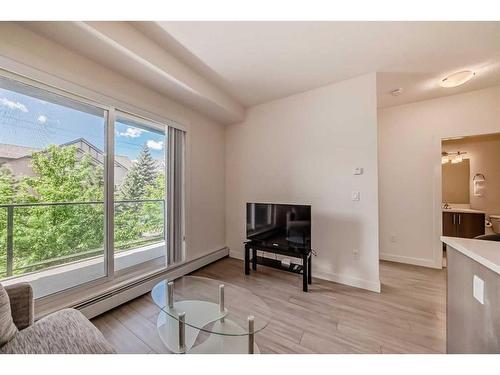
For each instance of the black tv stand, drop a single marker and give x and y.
(251, 248)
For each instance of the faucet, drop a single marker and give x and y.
(446, 206)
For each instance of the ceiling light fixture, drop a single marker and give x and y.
(444, 157)
(457, 79)
(454, 157)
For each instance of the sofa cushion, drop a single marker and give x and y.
(7, 327)
(67, 331)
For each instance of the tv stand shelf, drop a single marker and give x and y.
(274, 263)
(251, 257)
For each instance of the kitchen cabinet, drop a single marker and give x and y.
(463, 224)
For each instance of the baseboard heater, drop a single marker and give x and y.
(124, 293)
(119, 290)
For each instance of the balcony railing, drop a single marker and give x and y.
(56, 233)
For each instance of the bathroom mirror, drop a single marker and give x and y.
(456, 182)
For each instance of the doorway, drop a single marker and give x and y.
(470, 187)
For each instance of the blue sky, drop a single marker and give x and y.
(31, 122)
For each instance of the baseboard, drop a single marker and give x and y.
(236, 254)
(409, 260)
(325, 275)
(372, 286)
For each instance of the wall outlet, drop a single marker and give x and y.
(355, 195)
(393, 237)
(478, 289)
(355, 254)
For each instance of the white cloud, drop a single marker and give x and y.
(131, 133)
(13, 105)
(42, 119)
(153, 145)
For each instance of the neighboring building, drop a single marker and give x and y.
(15, 158)
(18, 158)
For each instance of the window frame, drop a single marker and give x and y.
(111, 112)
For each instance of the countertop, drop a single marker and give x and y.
(484, 252)
(463, 210)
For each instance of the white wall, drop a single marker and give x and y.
(303, 149)
(410, 168)
(36, 57)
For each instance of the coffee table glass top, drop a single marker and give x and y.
(199, 299)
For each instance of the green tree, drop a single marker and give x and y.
(48, 232)
(61, 175)
(7, 186)
(142, 174)
(156, 190)
(139, 222)
(7, 196)
(154, 211)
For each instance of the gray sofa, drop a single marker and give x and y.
(67, 331)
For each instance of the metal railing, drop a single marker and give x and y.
(10, 228)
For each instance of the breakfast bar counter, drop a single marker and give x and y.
(473, 295)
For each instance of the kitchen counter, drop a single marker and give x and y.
(463, 210)
(472, 295)
(486, 253)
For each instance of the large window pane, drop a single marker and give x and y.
(140, 207)
(51, 189)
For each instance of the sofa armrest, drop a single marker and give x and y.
(21, 304)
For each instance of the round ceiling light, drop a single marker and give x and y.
(457, 79)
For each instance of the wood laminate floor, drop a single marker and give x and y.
(407, 317)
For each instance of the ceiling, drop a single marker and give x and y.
(255, 62)
(128, 51)
(221, 68)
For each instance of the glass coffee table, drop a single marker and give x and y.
(202, 315)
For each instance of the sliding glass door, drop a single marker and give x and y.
(139, 192)
(51, 188)
(83, 190)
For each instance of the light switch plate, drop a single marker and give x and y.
(478, 289)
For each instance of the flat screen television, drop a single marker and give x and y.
(284, 225)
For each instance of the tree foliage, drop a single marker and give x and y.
(7, 182)
(55, 234)
(142, 175)
(138, 221)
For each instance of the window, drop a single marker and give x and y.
(52, 188)
(83, 190)
(139, 191)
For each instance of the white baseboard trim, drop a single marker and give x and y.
(325, 275)
(409, 260)
(236, 254)
(372, 286)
